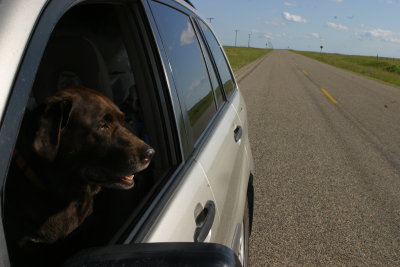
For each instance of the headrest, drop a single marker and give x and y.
(71, 60)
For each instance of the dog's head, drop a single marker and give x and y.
(82, 132)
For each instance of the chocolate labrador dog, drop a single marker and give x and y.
(79, 145)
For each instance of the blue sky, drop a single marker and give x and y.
(360, 27)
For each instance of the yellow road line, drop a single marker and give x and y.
(329, 96)
(305, 72)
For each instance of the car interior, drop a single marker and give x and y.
(93, 45)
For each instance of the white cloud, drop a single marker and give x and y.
(289, 4)
(275, 22)
(315, 35)
(337, 26)
(381, 34)
(290, 17)
(187, 35)
(263, 34)
(267, 35)
(337, 1)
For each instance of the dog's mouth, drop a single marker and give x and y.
(127, 180)
(101, 178)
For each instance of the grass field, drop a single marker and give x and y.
(383, 69)
(241, 56)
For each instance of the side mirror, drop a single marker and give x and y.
(156, 254)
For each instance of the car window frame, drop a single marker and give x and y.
(235, 85)
(191, 148)
(189, 142)
(214, 66)
(211, 68)
(165, 62)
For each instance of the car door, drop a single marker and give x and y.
(224, 156)
(190, 213)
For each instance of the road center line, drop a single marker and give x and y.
(329, 96)
(305, 72)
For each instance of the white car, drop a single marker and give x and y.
(162, 65)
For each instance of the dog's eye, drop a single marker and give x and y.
(104, 126)
(108, 118)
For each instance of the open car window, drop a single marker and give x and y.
(92, 46)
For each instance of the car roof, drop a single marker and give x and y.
(186, 3)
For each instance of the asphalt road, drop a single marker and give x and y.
(326, 144)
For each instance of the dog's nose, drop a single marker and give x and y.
(148, 154)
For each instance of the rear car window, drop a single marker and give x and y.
(188, 66)
(212, 70)
(220, 60)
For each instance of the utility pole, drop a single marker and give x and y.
(236, 31)
(269, 43)
(210, 19)
(248, 44)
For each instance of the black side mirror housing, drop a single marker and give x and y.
(156, 254)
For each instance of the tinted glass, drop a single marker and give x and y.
(220, 60)
(188, 66)
(213, 76)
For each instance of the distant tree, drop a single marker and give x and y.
(321, 48)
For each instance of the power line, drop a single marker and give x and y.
(269, 43)
(210, 19)
(236, 31)
(248, 44)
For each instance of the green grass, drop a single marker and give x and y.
(241, 56)
(197, 110)
(238, 57)
(383, 69)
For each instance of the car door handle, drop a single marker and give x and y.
(204, 222)
(237, 133)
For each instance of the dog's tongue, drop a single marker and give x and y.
(127, 179)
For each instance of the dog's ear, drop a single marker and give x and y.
(51, 123)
